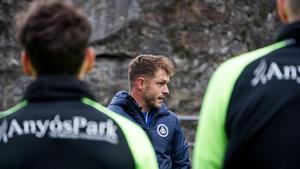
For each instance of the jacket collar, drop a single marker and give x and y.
(56, 87)
(288, 31)
(127, 102)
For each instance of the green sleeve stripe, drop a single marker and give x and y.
(137, 139)
(211, 139)
(13, 109)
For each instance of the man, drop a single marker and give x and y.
(250, 113)
(59, 124)
(148, 78)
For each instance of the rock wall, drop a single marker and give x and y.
(196, 35)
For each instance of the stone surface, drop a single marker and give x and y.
(196, 35)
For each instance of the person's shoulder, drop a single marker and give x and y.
(165, 110)
(13, 109)
(239, 61)
(121, 103)
(170, 116)
(114, 115)
(136, 137)
(116, 108)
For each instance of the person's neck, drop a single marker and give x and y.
(145, 109)
(139, 100)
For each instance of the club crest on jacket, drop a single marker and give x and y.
(162, 130)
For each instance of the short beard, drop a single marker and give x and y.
(150, 102)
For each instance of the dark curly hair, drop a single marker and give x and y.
(55, 34)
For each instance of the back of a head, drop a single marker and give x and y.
(55, 35)
(147, 65)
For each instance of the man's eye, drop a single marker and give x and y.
(161, 83)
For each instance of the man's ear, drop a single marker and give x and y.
(140, 83)
(88, 61)
(282, 10)
(27, 65)
(89, 58)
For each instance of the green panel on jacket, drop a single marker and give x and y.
(138, 141)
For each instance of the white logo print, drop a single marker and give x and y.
(162, 130)
(265, 72)
(75, 128)
(3, 129)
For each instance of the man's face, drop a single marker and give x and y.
(156, 89)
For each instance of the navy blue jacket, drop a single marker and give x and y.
(164, 131)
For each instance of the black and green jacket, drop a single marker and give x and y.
(59, 125)
(249, 116)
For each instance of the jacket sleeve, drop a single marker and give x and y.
(210, 141)
(180, 152)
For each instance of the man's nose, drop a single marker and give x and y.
(165, 90)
